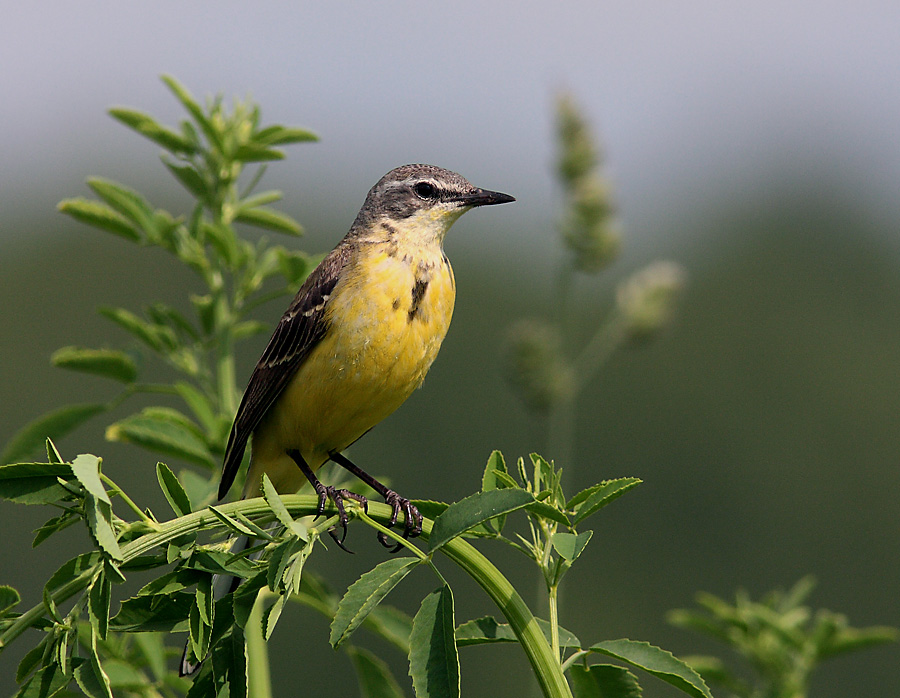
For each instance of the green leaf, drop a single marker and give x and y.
(170, 582)
(374, 675)
(53, 425)
(86, 469)
(161, 612)
(269, 219)
(279, 560)
(199, 632)
(433, 657)
(99, 520)
(601, 495)
(188, 102)
(546, 511)
(91, 678)
(9, 598)
(252, 152)
(604, 681)
(473, 510)
(233, 524)
(102, 362)
(34, 483)
(365, 594)
(487, 630)
(495, 464)
(171, 487)
(125, 201)
(280, 510)
(199, 404)
(98, 604)
(49, 681)
(189, 178)
(163, 435)
(156, 337)
(271, 615)
(283, 135)
(570, 546)
(147, 126)
(100, 216)
(75, 567)
(245, 596)
(663, 665)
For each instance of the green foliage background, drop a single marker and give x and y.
(764, 423)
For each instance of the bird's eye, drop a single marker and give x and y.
(424, 190)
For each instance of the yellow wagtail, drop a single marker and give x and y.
(358, 338)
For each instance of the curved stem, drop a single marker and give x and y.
(523, 623)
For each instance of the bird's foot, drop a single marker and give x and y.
(338, 496)
(412, 519)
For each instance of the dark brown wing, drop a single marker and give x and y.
(301, 327)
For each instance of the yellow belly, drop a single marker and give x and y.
(380, 344)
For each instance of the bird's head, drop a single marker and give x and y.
(423, 200)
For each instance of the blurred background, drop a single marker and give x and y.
(756, 144)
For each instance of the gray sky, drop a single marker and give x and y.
(691, 98)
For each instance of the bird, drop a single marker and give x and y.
(355, 342)
(357, 339)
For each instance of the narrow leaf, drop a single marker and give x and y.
(46, 683)
(98, 605)
(252, 152)
(280, 510)
(188, 102)
(365, 594)
(269, 219)
(34, 483)
(124, 200)
(283, 135)
(433, 657)
(272, 614)
(374, 675)
(99, 521)
(101, 362)
(171, 487)
(474, 510)
(233, 524)
(147, 126)
(100, 216)
(605, 494)
(91, 678)
(663, 665)
(53, 425)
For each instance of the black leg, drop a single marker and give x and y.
(412, 517)
(328, 492)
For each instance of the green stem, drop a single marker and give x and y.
(259, 678)
(488, 577)
(115, 490)
(554, 620)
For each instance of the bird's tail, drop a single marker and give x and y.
(222, 584)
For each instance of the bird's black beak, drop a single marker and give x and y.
(483, 197)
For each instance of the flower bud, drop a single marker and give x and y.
(647, 299)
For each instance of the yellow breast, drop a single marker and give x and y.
(387, 317)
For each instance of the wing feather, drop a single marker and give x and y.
(300, 329)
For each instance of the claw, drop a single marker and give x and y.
(412, 519)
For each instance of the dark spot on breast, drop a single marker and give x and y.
(418, 293)
(396, 304)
